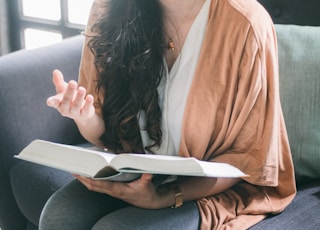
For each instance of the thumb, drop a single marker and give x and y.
(53, 101)
(146, 178)
(58, 81)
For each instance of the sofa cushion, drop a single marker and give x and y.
(300, 214)
(32, 194)
(299, 66)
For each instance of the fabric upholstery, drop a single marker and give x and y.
(299, 66)
(25, 83)
(298, 12)
(302, 213)
(32, 194)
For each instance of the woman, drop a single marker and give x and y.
(191, 78)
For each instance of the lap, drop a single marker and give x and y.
(75, 207)
(184, 218)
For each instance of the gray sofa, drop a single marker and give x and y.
(25, 83)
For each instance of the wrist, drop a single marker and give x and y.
(166, 197)
(86, 120)
(177, 196)
(91, 129)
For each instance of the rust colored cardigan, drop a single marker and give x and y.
(233, 113)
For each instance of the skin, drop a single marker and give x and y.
(178, 18)
(73, 102)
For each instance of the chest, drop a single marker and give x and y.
(176, 36)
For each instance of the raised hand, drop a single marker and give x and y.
(71, 101)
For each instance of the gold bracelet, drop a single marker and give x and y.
(177, 197)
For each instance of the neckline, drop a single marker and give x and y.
(195, 22)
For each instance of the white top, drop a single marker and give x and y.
(174, 88)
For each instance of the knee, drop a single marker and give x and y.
(110, 222)
(32, 194)
(54, 214)
(121, 219)
(63, 209)
(72, 208)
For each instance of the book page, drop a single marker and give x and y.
(173, 165)
(66, 157)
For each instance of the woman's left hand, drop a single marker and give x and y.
(140, 193)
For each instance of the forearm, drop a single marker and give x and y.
(196, 188)
(92, 129)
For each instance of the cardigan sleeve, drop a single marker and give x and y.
(88, 75)
(233, 113)
(255, 140)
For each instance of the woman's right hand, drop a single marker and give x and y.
(71, 101)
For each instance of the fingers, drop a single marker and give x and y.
(87, 106)
(113, 187)
(54, 101)
(78, 100)
(101, 186)
(63, 99)
(58, 81)
(70, 100)
(74, 103)
(146, 178)
(70, 93)
(82, 104)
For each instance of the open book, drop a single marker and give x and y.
(120, 167)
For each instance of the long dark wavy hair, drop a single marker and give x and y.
(129, 58)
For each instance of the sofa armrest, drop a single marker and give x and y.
(25, 84)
